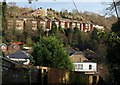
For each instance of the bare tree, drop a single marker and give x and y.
(12, 4)
(114, 7)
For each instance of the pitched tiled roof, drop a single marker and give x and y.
(26, 13)
(39, 12)
(70, 50)
(43, 18)
(25, 16)
(78, 53)
(50, 18)
(63, 19)
(67, 20)
(75, 21)
(18, 43)
(78, 56)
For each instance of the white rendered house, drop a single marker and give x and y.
(86, 67)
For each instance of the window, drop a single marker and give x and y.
(80, 66)
(18, 24)
(90, 66)
(75, 66)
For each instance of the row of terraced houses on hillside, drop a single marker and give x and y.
(39, 18)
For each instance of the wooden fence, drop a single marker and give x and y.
(14, 73)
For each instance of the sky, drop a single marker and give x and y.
(95, 6)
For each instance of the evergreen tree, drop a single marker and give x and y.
(49, 52)
(113, 55)
(54, 29)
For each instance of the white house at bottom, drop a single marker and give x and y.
(86, 67)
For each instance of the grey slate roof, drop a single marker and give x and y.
(19, 54)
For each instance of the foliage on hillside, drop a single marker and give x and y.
(13, 11)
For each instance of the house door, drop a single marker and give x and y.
(39, 77)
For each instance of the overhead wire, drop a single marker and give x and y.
(76, 8)
(114, 3)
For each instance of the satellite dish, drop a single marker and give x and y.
(3, 47)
